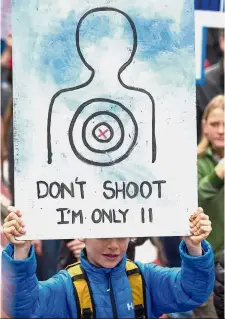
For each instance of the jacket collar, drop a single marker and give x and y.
(210, 154)
(90, 268)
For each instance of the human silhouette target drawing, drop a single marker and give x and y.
(103, 131)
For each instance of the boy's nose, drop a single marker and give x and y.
(113, 244)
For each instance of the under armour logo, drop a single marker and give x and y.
(130, 306)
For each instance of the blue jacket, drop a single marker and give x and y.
(167, 290)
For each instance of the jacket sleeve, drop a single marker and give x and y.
(208, 185)
(219, 288)
(181, 289)
(24, 296)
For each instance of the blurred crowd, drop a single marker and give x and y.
(57, 254)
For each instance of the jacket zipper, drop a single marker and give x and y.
(113, 302)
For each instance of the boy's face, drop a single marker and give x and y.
(106, 252)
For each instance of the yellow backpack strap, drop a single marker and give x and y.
(137, 286)
(82, 292)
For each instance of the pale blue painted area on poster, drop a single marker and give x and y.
(154, 36)
(56, 58)
(58, 54)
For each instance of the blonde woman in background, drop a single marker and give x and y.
(211, 182)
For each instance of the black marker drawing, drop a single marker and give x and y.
(102, 137)
(103, 132)
(114, 148)
(111, 149)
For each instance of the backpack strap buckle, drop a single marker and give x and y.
(139, 312)
(87, 313)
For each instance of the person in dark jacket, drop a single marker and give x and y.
(219, 288)
(104, 262)
(213, 86)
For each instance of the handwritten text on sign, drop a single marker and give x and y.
(110, 190)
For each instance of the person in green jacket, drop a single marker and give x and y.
(211, 170)
(211, 183)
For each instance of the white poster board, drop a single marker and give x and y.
(104, 117)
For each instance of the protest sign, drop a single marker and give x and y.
(208, 14)
(104, 117)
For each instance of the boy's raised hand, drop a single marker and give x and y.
(14, 227)
(200, 227)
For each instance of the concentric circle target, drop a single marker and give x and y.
(102, 132)
(103, 128)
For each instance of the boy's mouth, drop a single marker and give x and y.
(110, 256)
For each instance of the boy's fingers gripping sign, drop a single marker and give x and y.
(14, 226)
(200, 226)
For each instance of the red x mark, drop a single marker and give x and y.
(102, 133)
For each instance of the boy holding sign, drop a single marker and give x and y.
(103, 269)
